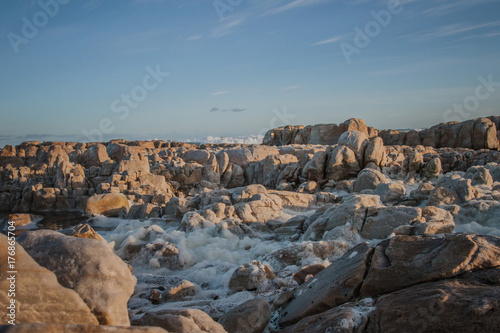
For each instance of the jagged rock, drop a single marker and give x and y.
(374, 152)
(452, 189)
(87, 266)
(180, 321)
(357, 142)
(369, 179)
(433, 168)
(68, 328)
(347, 318)
(181, 291)
(111, 205)
(381, 222)
(315, 168)
(39, 296)
(96, 155)
(404, 261)
(390, 192)
(422, 192)
(341, 164)
(249, 317)
(82, 230)
(262, 208)
(353, 211)
(333, 286)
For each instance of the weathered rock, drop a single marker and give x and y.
(357, 142)
(353, 211)
(344, 319)
(262, 208)
(390, 192)
(96, 155)
(432, 168)
(374, 152)
(368, 179)
(82, 230)
(181, 291)
(341, 164)
(335, 285)
(180, 321)
(111, 205)
(381, 222)
(21, 221)
(452, 189)
(249, 317)
(39, 296)
(307, 271)
(404, 261)
(87, 266)
(250, 276)
(68, 328)
(443, 306)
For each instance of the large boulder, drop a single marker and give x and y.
(381, 222)
(352, 211)
(368, 179)
(39, 298)
(403, 261)
(68, 328)
(442, 306)
(333, 286)
(110, 205)
(262, 208)
(180, 321)
(341, 164)
(249, 317)
(452, 189)
(357, 142)
(87, 266)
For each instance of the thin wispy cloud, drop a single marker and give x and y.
(217, 93)
(451, 6)
(450, 30)
(290, 88)
(329, 41)
(194, 37)
(215, 109)
(292, 5)
(225, 29)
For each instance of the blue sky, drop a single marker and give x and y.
(239, 67)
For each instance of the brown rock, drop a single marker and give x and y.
(111, 205)
(39, 296)
(249, 317)
(335, 285)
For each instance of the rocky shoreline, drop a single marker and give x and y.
(325, 228)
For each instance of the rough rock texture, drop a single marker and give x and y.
(87, 266)
(111, 205)
(369, 179)
(404, 261)
(443, 306)
(180, 321)
(249, 317)
(62, 328)
(39, 296)
(335, 285)
(248, 277)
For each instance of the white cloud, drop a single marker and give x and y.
(328, 41)
(225, 29)
(449, 30)
(292, 5)
(194, 37)
(290, 88)
(217, 93)
(446, 8)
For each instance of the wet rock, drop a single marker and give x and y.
(82, 230)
